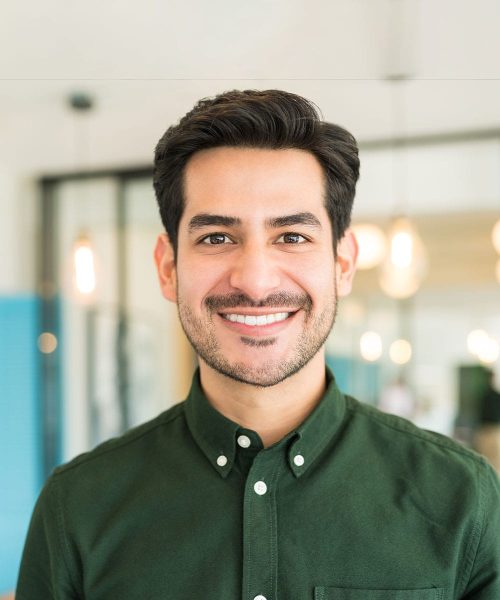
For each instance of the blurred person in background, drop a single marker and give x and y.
(267, 481)
(397, 398)
(487, 440)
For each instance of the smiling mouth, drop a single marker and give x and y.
(257, 320)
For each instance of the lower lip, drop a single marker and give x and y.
(258, 330)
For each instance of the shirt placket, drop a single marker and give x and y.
(260, 552)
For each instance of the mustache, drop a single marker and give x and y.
(276, 300)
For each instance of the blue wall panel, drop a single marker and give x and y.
(355, 377)
(20, 435)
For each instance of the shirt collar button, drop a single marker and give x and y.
(222, 460)
(243, 441)
(298, 460)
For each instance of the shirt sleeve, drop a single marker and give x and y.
(484, 582)
(43, 574)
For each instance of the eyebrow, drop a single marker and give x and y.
(207, 219)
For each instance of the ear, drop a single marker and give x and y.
(165, 267)
(347, 254)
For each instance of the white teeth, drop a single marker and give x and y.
(254, 320)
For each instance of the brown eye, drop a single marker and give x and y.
(214, 238)
(292, 238)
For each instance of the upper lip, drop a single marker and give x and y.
(255, 312)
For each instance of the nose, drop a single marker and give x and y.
(254, 273)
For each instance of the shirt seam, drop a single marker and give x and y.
(274, 533)
(249, 557)
(116, 444)
(477, 532)
(419, 434)
(320, 446)
(63, 541)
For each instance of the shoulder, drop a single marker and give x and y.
(448, 483)
(402, 429)
(432, 461)
(128, 448)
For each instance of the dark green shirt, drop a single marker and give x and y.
(352, 505)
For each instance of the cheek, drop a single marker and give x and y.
(196, 281)
(315, 277)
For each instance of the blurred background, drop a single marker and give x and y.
(88, 346)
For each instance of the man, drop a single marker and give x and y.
(267, 482)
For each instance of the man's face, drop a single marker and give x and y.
(255, 279)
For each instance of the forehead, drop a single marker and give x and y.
(253, 183)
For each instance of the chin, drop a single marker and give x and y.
(263, 373)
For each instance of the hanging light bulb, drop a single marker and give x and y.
(372, 245)
(483, 346)
(402, 249)
(477, 340)
(490, 352)
(84, 266)
(405, 266)
(400, 351)
(495, 236)
(370, 346)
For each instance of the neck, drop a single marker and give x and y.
(271, 411)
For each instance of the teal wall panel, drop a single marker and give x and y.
(20, 429)
(356, 378)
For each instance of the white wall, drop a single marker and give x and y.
(18, 230)
(423, 180)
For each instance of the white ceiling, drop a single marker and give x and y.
(147, 62)
(272, 39)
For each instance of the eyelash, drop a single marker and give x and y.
(202, 240)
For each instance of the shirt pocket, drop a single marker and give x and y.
(334, 593)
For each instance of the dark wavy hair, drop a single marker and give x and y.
(272, 119)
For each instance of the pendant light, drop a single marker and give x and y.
(372, 245)
(403, 269)
(495, 238)
(84, 266)
(405, 265)
(83, 253)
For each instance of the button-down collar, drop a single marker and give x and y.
(217, 435)
(213, 432)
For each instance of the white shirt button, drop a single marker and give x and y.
(298, 460)
(260, 488)
(260, 597)
(222, 461)
(243, 441)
